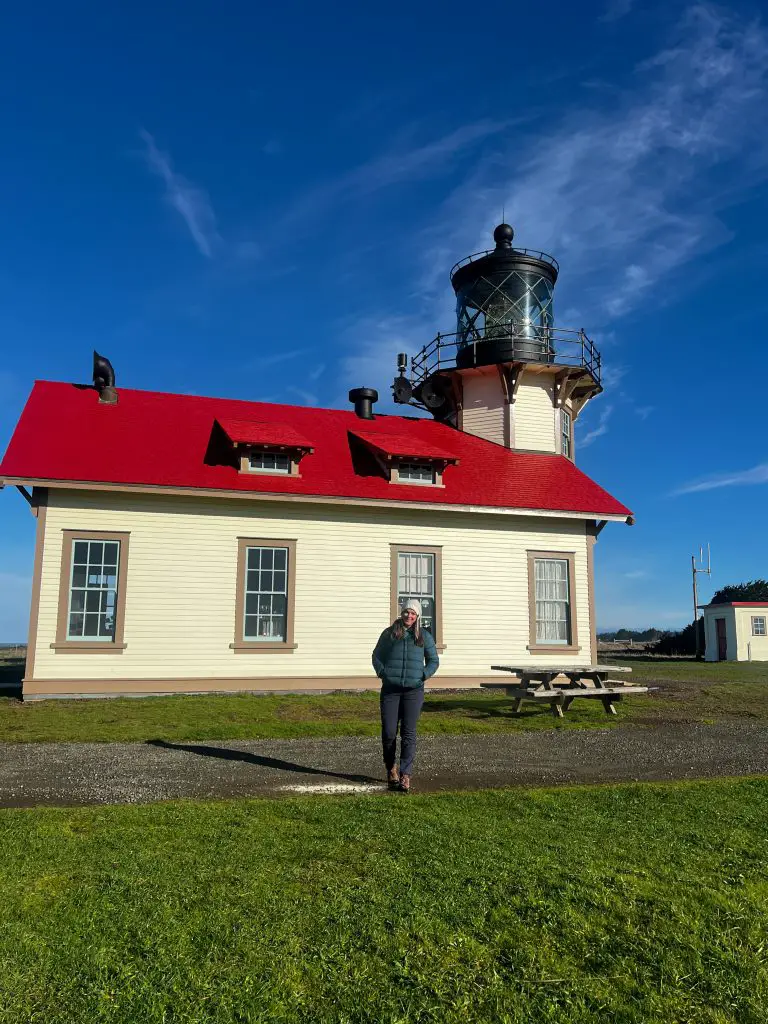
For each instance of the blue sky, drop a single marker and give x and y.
(264, 202)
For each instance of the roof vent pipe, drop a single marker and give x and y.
(104, 379)
(363, 399)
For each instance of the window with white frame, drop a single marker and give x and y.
(265, 609)
(411, 472)
(552, 594)
(269, 462)
(92, 609)
(416, 578)
(758, 625)
(565, 430)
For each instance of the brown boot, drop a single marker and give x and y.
(405, 784)
(393, 779)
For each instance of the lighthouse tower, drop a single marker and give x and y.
(507, 373)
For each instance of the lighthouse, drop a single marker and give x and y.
(507, 372)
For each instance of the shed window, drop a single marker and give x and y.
(269, 462)
(758, 625)
(553, 601)
(416, 472)
(93, 590)
(266, 594)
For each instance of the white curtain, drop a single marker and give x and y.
(551, 600)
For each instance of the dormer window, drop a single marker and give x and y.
(407, 458)
(261, 448)
(263, 461)
(411, 471)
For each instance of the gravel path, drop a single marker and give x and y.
(111, 773)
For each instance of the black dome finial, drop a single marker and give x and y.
(503, 236)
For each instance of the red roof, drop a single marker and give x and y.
(161, 440)
(737, 604)
(275, 435)
(403, 445)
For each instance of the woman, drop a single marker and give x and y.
(403, 659)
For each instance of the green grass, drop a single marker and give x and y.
(636, 904)
(687, 692)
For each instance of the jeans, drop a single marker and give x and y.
(400, 705)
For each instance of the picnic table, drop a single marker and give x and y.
(545, 683)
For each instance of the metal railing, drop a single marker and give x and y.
(561, 346)
(534, 253)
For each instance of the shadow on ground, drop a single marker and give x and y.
(227, 754)
(11, 675)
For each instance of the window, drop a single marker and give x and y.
(758, 625)
(550, 588)
(415, 473)
(269, 462)
(566, 425)
(92, 591)
(416, 572)
(265, 595)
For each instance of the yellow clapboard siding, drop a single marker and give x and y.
(181, 583)
(534, 414)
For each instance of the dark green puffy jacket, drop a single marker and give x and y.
(402, 662)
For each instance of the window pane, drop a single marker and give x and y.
(265, 601)
(280, 556)
(110, 553)
(416, 578)
(552, 595)
(93, 590)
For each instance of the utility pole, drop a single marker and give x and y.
(694, 571)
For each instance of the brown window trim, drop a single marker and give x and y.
(437, 473)
(64, 646)
(293, 454)
(533, 646)
(241, 645)
(426, 549)
(561, 410)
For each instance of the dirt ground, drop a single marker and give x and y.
(109, 773)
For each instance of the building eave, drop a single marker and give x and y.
(312, 499)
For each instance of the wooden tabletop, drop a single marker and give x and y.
(528, 670)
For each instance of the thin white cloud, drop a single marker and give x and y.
(306, 397)
(644, 411)
(190, 202)
(277, 357)
(393, 167)
(756, 475)
(615, 10)
(599, 430)
(636, 574)
(620, 191)
(316, 372)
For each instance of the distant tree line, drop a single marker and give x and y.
(641, 635)
(755, 590)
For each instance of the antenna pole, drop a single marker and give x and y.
(695, 609)
(694, 571)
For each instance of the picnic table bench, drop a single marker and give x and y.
(537, 683)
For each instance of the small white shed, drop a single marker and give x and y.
(736, 631)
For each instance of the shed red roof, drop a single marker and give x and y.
(279, 435)
(403, 445)
(152, 439)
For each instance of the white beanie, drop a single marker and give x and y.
(414, 604)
